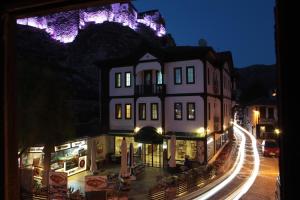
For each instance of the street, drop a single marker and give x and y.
(264, 185)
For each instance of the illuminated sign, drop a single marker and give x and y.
(78, 143)
(35, 149)
(62, 147)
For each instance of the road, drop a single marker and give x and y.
(265, 183)
(253, 176)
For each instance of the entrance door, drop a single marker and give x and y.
(152, 156)
(148, 82)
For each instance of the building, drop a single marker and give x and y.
(261, 117)
(186, 91)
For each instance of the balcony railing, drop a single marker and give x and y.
(150, 90)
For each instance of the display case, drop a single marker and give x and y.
(70, 157)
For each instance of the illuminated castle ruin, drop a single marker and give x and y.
(64, 26)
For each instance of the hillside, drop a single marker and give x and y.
(255, 81)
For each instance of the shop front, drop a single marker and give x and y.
(151, 143)
(33, 159)
(70, 157)
(221, 139)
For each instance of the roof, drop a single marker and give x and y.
(167, 54)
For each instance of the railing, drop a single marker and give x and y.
(150, 90)
(267, 121)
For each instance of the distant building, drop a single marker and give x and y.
(261, 117)
(186, 91)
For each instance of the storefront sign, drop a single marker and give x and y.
(62, 147)
(35, 149)
(95, 183)
(58, 185)
(78, 143)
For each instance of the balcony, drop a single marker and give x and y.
(150, 90)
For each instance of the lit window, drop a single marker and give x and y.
(178, 111)
(191, 111)
(127, 79)
(177, 76)
(127, 111)
(190, 75)
(154, 111)
(142, 111)
(117, 80)
(158, 77)
(118, 111)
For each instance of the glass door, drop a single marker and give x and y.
(152, 155)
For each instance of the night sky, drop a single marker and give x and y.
(244, 27)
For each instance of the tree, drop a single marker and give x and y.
(43, 113)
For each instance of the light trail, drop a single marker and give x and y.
(246, 186)
(238, 163)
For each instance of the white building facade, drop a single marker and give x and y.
(181, 91)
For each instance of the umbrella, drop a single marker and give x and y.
(131, 161)
(123, 171)
(93, 166)
(172, 161)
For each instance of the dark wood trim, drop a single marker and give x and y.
(186, 74)
(135, 97)
(151, 60)
(120, 97)
(121, 131)
(125, 81)
(185, 94)
(174, 75)
(187, 110)
(118, 73)
(222, 101)
(151, 111)
(175, 112)
(162, 99)
(126, 110)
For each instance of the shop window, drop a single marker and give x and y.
(118, 111)
(178, 111)
(154, 111)
(191, 111)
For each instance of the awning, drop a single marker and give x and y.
(148, 135)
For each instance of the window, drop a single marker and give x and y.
(190, 75)
(262, 112)
(177, 76)
(190, 111)
(142, 111)
(177, 111)
(208, 76)
(208, 111)
(127, 79)
(127, 111)
(154, 111)
(118, 111)
(158, 77)
(117, 80)
(271, 113)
